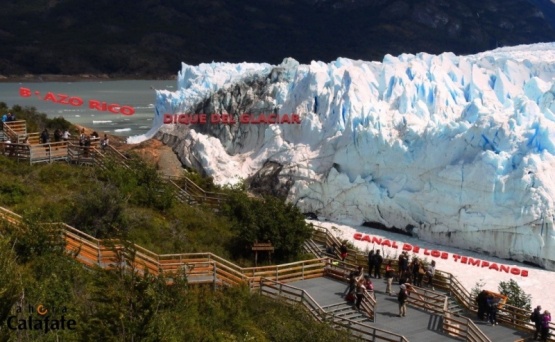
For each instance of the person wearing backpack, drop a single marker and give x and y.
(535, 317)
(402, 298)
(492, 309)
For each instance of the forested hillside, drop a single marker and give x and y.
(150, 38)
(135, 204)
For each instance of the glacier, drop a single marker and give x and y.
(456, 150)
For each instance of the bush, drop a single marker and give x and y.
(36, 121)
(261, 220)
(99, 211)
(515, 295)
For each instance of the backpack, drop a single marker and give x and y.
(534, 316)
(402, 296)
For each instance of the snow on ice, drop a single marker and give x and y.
(458, 150)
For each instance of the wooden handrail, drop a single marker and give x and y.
(168, 263)
(195, 192)
(510, 315)
(210, 268)
(14, 129)
(293, 294)
(517, 318)
(463, 327)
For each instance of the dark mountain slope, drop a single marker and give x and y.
(149, 38)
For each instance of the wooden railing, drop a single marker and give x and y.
(71, 151)
(32, 138)
(199, 267)
(48, 152)
(463, 327)
(35, 153)
(514, 317)
(19, 152)
(84, 155)
(323, 236)
(15, 129)
(295, 295)
(508, 315)
(194, 194)
(202, 268)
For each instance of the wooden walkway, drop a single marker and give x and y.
(418, 325)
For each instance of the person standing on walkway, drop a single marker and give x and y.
(378, 259)
(545, 319)
(65, 135)
(403, 263)
(492, 310)
(402, 298)
(415, 267)
(536, 318)
(370, 262)
(344, 251)
(389, 274)
(351, 287)
(482, 300)
(431, 272)
(360, 289)
(44, 137)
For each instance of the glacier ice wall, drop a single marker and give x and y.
(460, 149)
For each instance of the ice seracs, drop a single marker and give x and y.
(458, 149)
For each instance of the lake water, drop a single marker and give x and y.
(139, 94)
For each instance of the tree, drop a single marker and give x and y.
(515, 295)
(268, 219)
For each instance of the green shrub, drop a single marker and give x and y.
(270, 219)
(515, 295)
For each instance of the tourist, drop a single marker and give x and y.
(536, 318)
(105, 142)
(360, 289)
(403, 263)
(414, 268)
(82, 137)
(378, 259)
(482, 300)
(344, 251)
(66, 135)
(87, 144)
(430, 273)
(389, 274)
(57, 135)
(368, 285)
(404, 277)
(370, 262)
(351, 287)
(402, 298)
(492, 309)
(545, 319)
(44, 137)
